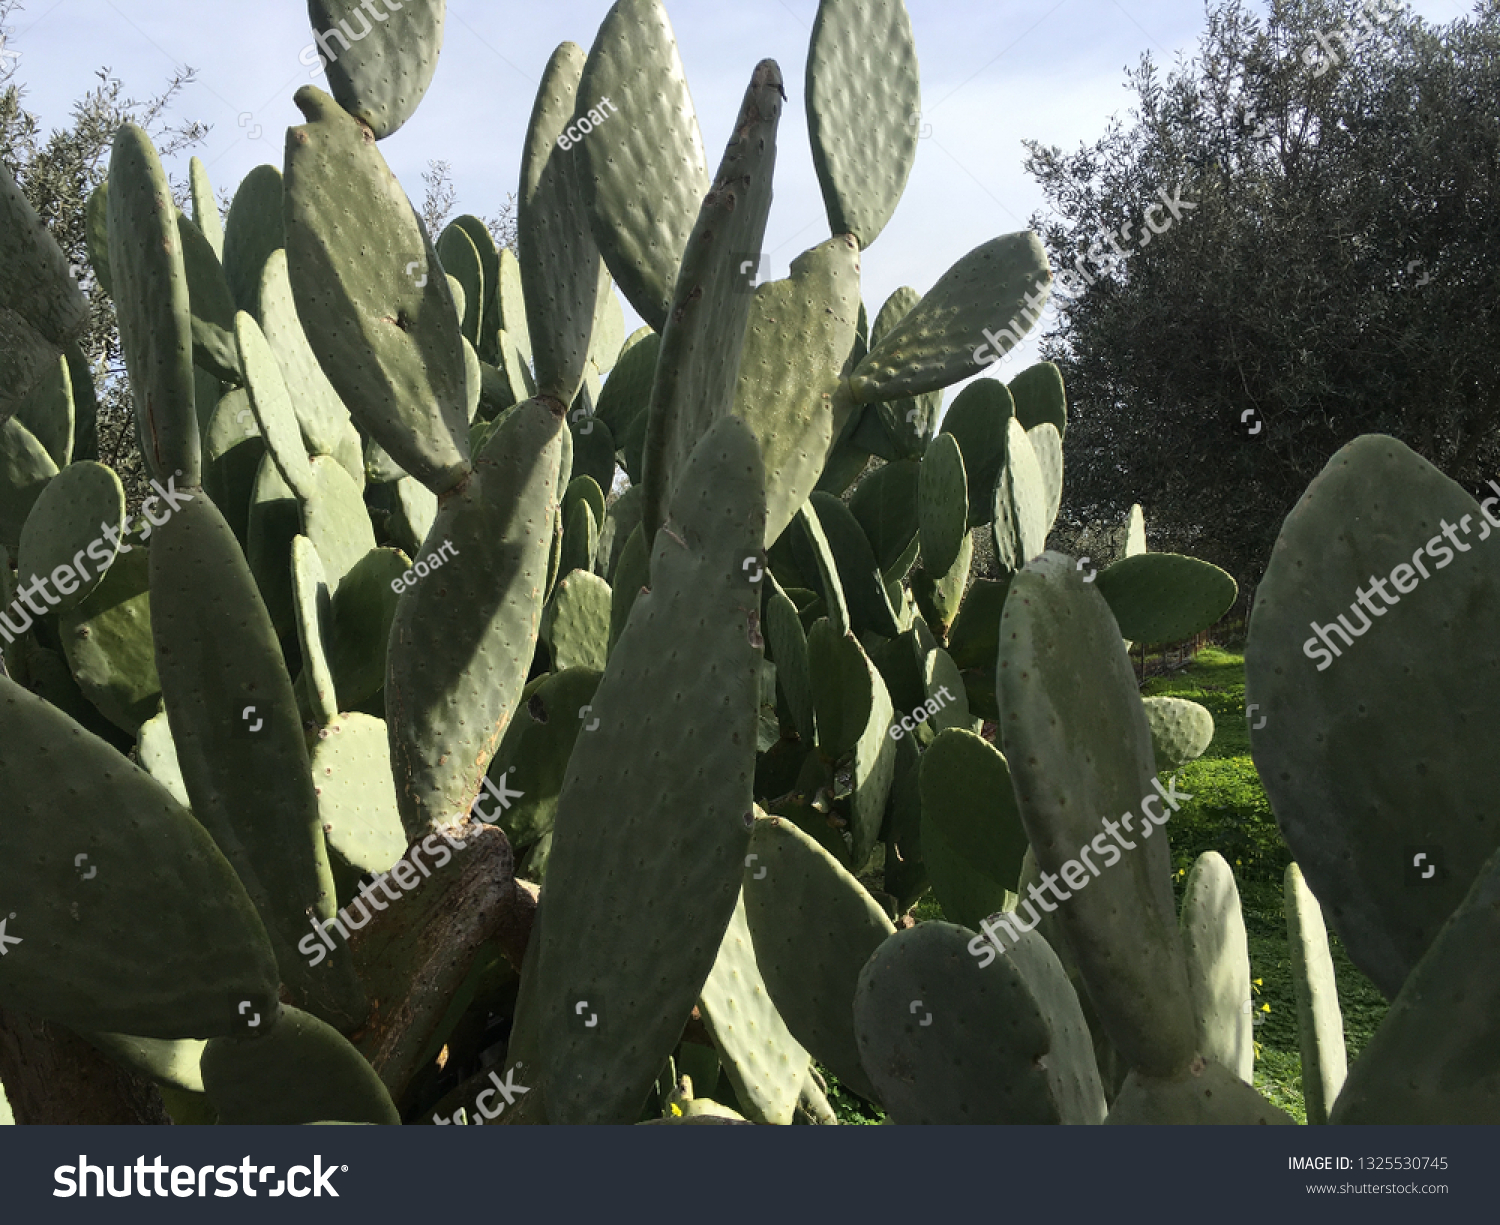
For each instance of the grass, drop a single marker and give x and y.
(1229, 813)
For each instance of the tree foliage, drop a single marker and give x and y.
(1336, 276)
(58, 172)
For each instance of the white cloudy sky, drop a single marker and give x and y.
(993, 73)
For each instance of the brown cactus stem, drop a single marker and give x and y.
(51, 1075)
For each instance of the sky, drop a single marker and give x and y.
(993, 74)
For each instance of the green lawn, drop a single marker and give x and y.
(1229, 813)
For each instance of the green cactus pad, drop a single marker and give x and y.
(460, 259)
(489, 267)
(378, 70)
(151, 934)
(632, 573)
(814, 927)
(34, 275)
(210, 301)
(510, 303)
(65, 533)
(897, 307)
(1165, 597)
(936, 345)
(1200, 1093)
(108, 644)
(170, 1063)
(627, 391)
(766, 1066)
(703, 338)
(940, 597)
(950, 1038)
(789, 650)
(609, 330)
(977, 419)
(885, 506)
(1352, 781)
(639, 944)
(222, 674)
(560, 265)
(643, 170)
(944, 688)
(1320, 1024)
(580, 539)
(593, 449)
(942, 504)
(968, 802)
(864, 99)
(151, 304)
(1046, 445)
(320, 413)
(205, 206)
(1180, 732)
(1039, 397)
(272, 405)
(274, 517)
(1079, 750)
(799, 334)
(859, 574)
(364, 606)
(26, 358)
(462, 641)
(584, 489)
(302, 1071)
(974, 639)
(351, 771)
(158, 756)
(371, 295)
(47, 411)
(843, 688)
(313, 605)
(1021, 503)
(335, 520)
(575, 625)
(96, 234)
(1433, 1058)
(1218, 964)
(25, 470)
(414, 509)
(85, 404)
(555, 710)
(823, 568)
(620, 519)
(253, 232)
(967, 896)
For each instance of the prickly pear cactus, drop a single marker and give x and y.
(490, 717)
